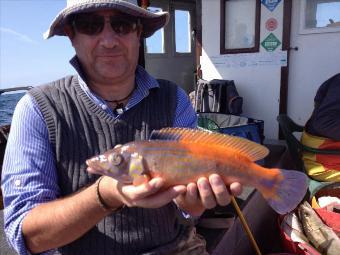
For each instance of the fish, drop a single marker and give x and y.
(292, 226)
(183, 155)
(319, 234)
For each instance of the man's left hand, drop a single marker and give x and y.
(207, 193)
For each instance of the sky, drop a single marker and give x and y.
(26, 59)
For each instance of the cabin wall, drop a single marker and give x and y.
(317, 59)
(256, 75)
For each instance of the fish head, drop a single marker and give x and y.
(113, 163)
(308, 215)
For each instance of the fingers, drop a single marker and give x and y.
(219, 189)
(161, 198)
(143, 190)
(190, 202)
(213, 191)
(236, 188)
(149, 195)
(206, 193)
(192, 196)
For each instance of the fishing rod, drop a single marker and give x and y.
(245, 226)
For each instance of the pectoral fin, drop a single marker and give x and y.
(136, 169)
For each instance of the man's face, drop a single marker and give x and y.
(108, 56)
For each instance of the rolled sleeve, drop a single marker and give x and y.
(28, 175)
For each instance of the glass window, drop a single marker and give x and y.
(322, 13)
(155, 43)
(182, 31)
(240, 21)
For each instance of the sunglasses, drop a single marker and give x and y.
(93, 24)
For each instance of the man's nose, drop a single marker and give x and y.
(108, 35)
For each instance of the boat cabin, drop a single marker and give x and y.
(278, 52)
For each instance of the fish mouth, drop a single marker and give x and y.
(92, 162)
(94, 165)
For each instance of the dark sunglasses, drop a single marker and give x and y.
(93, 24)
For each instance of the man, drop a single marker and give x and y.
(51, 202)
(322, 131)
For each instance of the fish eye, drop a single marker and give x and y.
(116, 159)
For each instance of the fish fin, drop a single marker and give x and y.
(136, 169)
(138, 180)
(289, 191)
(252, 150)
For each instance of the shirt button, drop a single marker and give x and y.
(104, 107)
(17, 183)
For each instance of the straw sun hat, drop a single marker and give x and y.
(151, 21)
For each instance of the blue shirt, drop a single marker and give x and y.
(29, 175)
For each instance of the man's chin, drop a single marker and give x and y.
(111, 71)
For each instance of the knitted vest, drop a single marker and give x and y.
(79, 129)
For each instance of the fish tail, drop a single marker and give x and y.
(288, 191)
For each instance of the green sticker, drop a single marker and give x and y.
(271, 42)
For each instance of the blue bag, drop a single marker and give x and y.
(248, 128)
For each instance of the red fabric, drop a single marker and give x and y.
(331, 219)
(327, 160)
(294, 247)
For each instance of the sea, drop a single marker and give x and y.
(8, 101)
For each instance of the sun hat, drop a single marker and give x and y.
(151, 21)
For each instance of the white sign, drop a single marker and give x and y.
(250, 59)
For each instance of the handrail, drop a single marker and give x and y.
(15, 89)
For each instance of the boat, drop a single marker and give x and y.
(276, 52)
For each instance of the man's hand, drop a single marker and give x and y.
(206, 194)
(147, 195)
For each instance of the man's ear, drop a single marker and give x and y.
(69, 31)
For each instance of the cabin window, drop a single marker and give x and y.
(182, 31)
(319, 16)
(155, 43)
(240, 26)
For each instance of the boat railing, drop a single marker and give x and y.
(15, 89)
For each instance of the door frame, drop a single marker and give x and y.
(287, 20)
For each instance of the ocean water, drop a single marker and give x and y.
(7, 106)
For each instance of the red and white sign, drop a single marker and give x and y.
(271, 24)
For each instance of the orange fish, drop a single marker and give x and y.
(181, 156)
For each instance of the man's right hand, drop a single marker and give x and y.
(146, 195)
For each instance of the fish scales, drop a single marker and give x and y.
(187, 162)
(181, 156)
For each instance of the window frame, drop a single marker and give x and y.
(257, 24)
(164, 7)
(183, 7)
(316, 30)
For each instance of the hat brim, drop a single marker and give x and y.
(151, 21)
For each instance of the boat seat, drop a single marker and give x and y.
(289, 129)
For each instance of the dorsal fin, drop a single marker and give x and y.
(251, 149)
